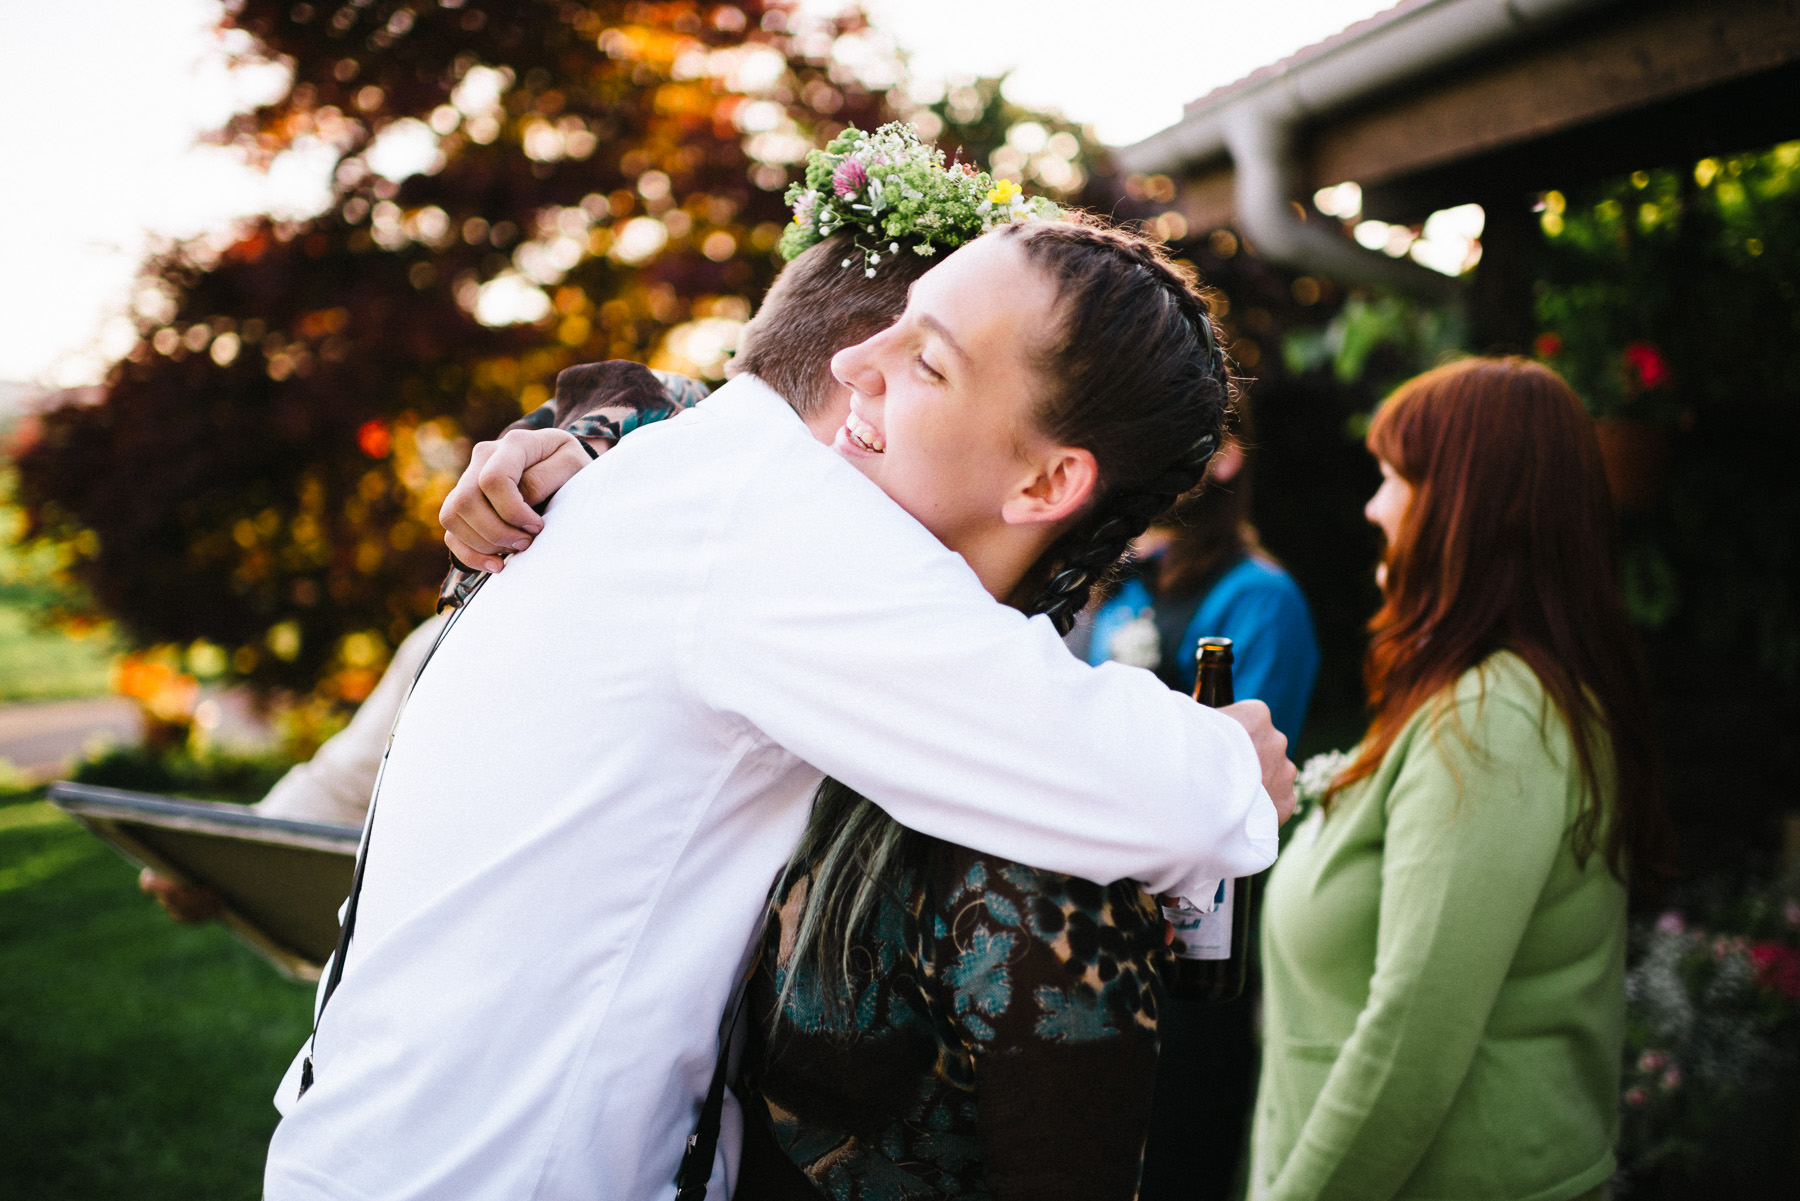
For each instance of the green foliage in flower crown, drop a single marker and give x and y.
(894, 192)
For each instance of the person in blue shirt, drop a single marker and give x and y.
(1204, 575)
(1201, 573)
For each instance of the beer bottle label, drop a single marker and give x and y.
(1203, 934)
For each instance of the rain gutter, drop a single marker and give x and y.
(1257, 123)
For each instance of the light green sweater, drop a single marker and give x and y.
(1444, 985)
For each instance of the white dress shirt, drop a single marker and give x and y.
(334, 785)
(611, 756)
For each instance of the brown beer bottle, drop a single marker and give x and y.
(1212, 947)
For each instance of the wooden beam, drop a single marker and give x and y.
(1599, 69)
(1728, 118)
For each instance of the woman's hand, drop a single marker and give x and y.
(185, 903)
(489, 512)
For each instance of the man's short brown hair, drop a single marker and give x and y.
(815, 308)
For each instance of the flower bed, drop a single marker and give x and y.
(1712, 1045)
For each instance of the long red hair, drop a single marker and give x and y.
(1509, 543)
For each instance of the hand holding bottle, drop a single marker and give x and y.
(1278, 771)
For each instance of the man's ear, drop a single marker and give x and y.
(1060, 485)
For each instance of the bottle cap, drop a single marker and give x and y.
(1218, 646)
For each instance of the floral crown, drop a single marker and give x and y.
(890, 187)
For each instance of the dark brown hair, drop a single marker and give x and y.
(815, 308)
(1139, 378)
(1211, 523)
(587, 387)
(1509, 543)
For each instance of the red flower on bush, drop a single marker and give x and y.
(1547, 345)
(1647, 364)
(1777, 967)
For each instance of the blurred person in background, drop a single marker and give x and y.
(1443, 941)
(1200, 572)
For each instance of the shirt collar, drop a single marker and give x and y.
(747, 394)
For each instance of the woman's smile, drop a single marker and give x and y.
(862, 435)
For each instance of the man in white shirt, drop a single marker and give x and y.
(546, 941)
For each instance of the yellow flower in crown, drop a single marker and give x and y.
(1004, 191)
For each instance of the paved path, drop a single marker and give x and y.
(42, 738)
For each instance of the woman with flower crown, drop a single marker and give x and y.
(937, 1022)
(933, 1021)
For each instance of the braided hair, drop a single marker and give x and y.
(1142, 381)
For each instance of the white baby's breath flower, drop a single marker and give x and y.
(1317, 774)
(1137, 643)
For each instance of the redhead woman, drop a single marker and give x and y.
(1444, 941)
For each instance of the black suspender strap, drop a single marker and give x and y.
(348, 929)
(703, 1143)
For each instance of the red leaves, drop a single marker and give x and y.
(375, 440)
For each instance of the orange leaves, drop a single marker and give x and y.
(646, 44)
(691, 101)
(323, 322)
(164, 693)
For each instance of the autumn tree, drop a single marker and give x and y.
(513, 188)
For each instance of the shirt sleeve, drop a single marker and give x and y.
(334, 786)
(838, 628)
(1047, 981)
(1473, 832)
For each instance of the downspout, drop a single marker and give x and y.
(1259, 126)
(1267, 180)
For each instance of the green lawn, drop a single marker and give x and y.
(41, 664)
(139, 1056)
(38, 662)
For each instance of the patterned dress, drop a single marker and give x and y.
(997, 1040)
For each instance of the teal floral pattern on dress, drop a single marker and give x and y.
(987, 997)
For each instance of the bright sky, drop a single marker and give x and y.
(102, 103)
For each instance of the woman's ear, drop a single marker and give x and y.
(1059, 486)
